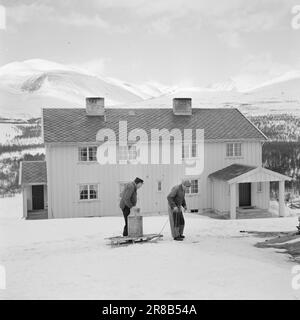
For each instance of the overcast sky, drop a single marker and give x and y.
(173, 42)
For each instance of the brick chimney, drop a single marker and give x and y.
(182, 106)
(95, 106)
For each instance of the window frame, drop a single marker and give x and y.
(192, 150)
(89, 189)
(189, 190)
(132, 151)
(232, 148)
(125, 153)
(88, 154)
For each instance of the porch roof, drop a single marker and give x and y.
(231, 172)
(33, 172)
(238, 173)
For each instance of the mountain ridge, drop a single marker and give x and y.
(26, 87)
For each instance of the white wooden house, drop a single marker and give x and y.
(72, 183)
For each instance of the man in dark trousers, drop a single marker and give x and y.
(176, 200)
(128, 200)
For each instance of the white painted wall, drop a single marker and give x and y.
(260, 199)
(45, 196)
(29, 197)
(220, 196)
(215, 159)
(24, 196)
(65, 173)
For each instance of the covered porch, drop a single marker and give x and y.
(33, 180)
(245, 190)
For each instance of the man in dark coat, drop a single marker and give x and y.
(176, 200)
(128, 200)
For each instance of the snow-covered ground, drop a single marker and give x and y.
(70, 258)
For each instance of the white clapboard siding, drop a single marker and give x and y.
(260, 199)
(215, 159)
(220, 196)
(65, 173)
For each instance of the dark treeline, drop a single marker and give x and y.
(29, 131)
(278, 127)
(283, 157)
(18, 147)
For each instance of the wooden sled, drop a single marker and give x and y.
(129, 240)
(294, 205)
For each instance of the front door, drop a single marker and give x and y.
(244, 194)
(38, 197)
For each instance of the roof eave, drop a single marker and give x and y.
(34, 184)
(266, 138)
(58, 143)
(279, 177)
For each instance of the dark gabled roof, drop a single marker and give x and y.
(33, 172)
(73, 125)
(231, 172)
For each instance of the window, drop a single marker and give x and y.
(88, 192)
(189, 151)
(92, 153)
(88, 154)
(233, 149)
(93, 191)
(132, 152)
(185, 151)
(159, 186)
(194, 188)
(127, 152)
(194, 150)
(259, 187)
(229, 150)
(84, 192)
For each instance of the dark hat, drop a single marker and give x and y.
(138, 180)
(186, 183)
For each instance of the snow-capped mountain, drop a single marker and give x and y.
(227, 85)
(27, 86)
(281, 95)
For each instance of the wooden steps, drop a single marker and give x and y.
(37, 215)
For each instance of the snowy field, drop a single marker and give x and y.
(70, 259)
